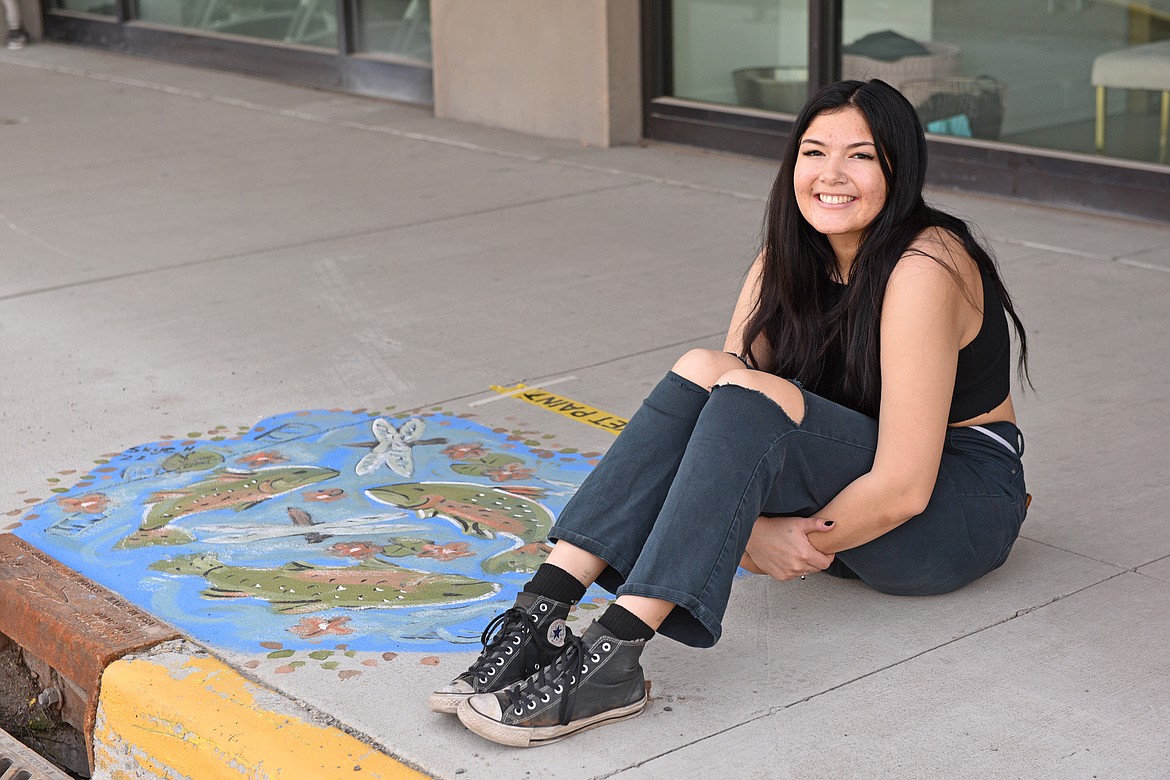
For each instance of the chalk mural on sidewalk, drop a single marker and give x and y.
(387, 533)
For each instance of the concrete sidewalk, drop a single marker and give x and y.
(202, 270)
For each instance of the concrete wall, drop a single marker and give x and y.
(563, 69)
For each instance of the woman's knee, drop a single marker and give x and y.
(783, 393)
(704, 367)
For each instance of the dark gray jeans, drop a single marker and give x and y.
(671, 505)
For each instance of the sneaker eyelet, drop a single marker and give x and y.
(491, 672)
(482, 680)
(584, 669)
(518, 711)
(573, 680)
(595, 658)
(499, 662)
(516, 641)
(545, 699)
(605, 646)
(558, 690)
(508, 651)
(543, 607)
(532, 704)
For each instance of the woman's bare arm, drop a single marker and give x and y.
(926, 316)
(744, 307)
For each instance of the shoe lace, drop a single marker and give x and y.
(561, 678)
(511, 627)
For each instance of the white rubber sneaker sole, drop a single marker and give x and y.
(521, 736)
(447, 703)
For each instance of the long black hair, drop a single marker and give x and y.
(793, 312)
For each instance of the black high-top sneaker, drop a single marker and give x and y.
(515, 644)
(595, 680)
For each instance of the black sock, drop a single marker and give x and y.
(624, 625)
(555, 583)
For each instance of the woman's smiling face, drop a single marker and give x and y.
(839, 185)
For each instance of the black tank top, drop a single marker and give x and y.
(983, 373)
(983, 376)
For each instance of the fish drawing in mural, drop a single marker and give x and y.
(484, 512)
(237, 490)
(393, 447)
(301, 587)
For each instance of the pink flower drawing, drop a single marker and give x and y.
(90, 504)
(509, 472)
(360, 550)
(324, 496)
(465, 451)
(311, 627)
(262, 458)
(445, 552)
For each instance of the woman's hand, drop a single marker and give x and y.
(779, 547)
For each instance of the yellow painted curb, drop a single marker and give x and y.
(176, 717)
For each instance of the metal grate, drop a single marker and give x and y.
(19, 762)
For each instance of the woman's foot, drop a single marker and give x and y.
(526, 637)
(595, 680)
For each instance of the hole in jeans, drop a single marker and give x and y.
(797, 418)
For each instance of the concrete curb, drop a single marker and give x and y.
(68, 627)
(160, 713)
(169, 714)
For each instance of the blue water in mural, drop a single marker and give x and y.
(393, 533)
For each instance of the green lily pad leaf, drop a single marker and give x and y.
(493, 461)
(400, 547)
(203, 460)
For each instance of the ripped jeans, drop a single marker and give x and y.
(671, 506)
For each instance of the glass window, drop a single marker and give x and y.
(398, 28)
(741, 52)
(307, 22)
(1024, 73)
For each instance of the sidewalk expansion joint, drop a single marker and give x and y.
(480, 396)
(790, 705)
(260, 252)
(1063, 250)
(1051, 546)
(1131, 259)
(364, 127)
(1144, 265)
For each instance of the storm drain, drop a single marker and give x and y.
(19, 762)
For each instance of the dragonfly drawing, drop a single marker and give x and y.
(394, 447)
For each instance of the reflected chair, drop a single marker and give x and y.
(1138, 67)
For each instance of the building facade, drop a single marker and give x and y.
(1054, 101)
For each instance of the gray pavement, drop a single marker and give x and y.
(184, 248)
